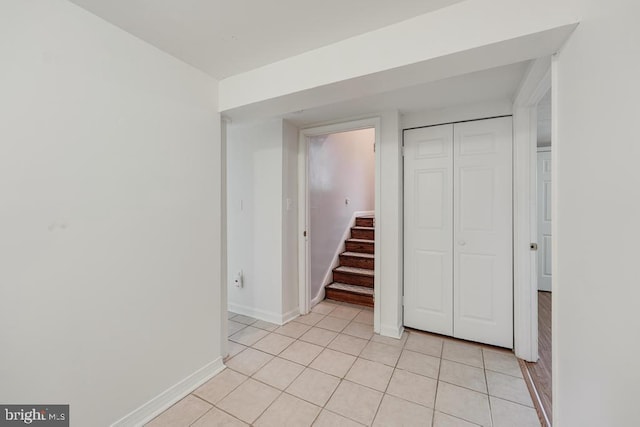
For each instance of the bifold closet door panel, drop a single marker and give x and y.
(482, 237)
(428, 232)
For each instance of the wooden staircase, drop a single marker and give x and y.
(353, 278)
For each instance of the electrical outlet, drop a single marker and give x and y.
(238, 280)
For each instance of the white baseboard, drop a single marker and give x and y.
(290, 315)
(167, 398)
(267, 316)
(392, 331)
(318, 298)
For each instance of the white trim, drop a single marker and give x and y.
(535, 85)
(335, 261)
(544, 149)
(319, 298)
(537, 398)
(392, 331)
(304, 292)
(224, 321)
(167, 398)
(555, 286)
(304, 272)
(377, 263)
(267, 316)
(289, 316)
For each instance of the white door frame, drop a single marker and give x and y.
(535, 85)
(304, 271)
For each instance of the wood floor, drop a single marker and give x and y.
(541, 371)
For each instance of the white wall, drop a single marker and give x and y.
(341, 166)
(261, 231)
(388, 305)
(254, 216)
(290, 220)
(110, 217)
(596, 228)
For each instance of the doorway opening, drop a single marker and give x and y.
(341, 229)
(338, 194)
(540, 372)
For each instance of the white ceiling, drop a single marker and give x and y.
(495, 84)
(227, 37)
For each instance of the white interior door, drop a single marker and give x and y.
(483, 260)
(428, 232)
(544, 220)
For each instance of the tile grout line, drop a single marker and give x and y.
(435, 397)
(201, 416)
(308, 366)
(402, 348)
(340, 379)
(457, 417)
(216, 407)
(281, 392)
(484, 366)
(213, 405)
(393, 372)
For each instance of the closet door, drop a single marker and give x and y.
(428, 232)
(482, 240)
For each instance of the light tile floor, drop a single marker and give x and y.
(328, 368)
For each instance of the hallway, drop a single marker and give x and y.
(328, 368)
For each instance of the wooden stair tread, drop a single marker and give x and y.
(361, 290)
(359, 227)
(360, 241)
(358, 254)
(354, 270)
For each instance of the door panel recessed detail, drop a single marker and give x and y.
(430, 148)
(546, 193)
(483, 143)
(430, 270)
(476, 199)
(477, 276)
(546, 261)
(429, 196)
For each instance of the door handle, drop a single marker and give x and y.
(462, 242)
